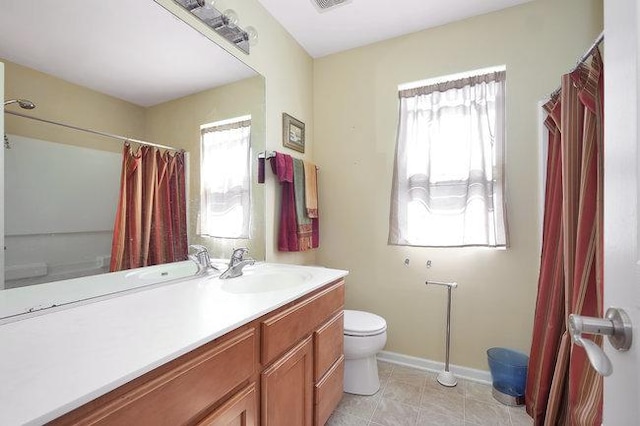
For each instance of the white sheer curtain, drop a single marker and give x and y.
(225, 201)
(448, 176)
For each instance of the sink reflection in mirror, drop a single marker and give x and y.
(156, 79)
(160, 273)
(59, 294)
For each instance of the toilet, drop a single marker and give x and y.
(365, 334)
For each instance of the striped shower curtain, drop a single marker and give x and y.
(151, 220)
(562, 387)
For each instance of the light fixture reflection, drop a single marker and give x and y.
(232, 17)
(252, 35)
(225, 24)
(192, 4)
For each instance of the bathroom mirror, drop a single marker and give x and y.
(125, 67)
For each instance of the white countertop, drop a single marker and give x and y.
(53, 363)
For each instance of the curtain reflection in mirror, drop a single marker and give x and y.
(151, 221)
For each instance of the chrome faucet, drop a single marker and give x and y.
(236, 263)
(202, 259)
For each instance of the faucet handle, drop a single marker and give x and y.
(202, 258)
(199, 248)
(238, 254)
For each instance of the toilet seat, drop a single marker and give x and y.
(362, 324)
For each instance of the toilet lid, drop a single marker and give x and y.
(359, 323)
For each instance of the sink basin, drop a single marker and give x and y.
(265, 281)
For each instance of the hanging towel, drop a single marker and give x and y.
(311, 189)
(282, 166)
(315, 232)
(304, 222)
(260, 169)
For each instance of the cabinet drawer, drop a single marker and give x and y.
(328, 392)
(180, 394)
(240, 410)
(283, 330)
(328, 345)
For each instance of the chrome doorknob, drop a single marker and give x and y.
(616, 325)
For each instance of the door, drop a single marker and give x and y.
(621, 212)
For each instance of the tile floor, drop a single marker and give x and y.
(412, 397)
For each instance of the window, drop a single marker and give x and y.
(224, 178)
(448, 175)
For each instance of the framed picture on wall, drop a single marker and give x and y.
(292, 133)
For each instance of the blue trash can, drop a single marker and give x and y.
(509, 375)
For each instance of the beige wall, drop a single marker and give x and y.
(355, 114)
(59, 100)
(178, 122)
(288, 71)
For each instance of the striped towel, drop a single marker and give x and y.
(303, 220)
(311, 189)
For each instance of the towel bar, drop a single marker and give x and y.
(270, 154)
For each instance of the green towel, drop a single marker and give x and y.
(303, 221)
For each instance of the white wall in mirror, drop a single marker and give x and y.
(45, 239)
(35, 169)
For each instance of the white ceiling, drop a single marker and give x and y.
(361, 22)
(131, 49)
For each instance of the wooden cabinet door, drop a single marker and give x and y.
(287, 388)
(240, 410)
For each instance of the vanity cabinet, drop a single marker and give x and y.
(285, 368)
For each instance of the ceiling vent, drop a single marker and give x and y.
(324, 5)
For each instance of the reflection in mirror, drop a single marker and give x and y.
(44, 239)
(126, 67)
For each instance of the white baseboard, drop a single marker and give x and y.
(472, 374)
